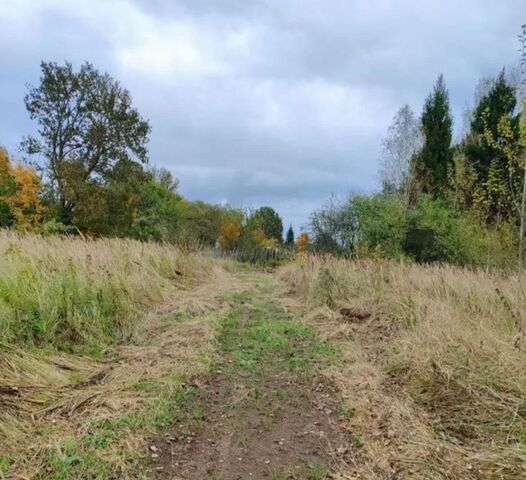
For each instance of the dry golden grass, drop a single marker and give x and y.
(95, 393)
(66, 291)
(435, 378)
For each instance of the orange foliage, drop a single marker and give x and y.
(24, 202)
(229, 234)
(303, 242)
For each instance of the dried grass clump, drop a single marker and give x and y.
(438, 370)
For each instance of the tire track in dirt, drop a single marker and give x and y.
(264, 411)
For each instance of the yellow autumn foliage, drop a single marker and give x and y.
(23, 199)
(303, 242)
(229, 234)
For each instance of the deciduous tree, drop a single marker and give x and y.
(20, 189)
(269, 222)
(229, 234)
(399, 147)
(303, 242)
(86, 123)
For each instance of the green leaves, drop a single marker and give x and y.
(86, 124)
(436, 155)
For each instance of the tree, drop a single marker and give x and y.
(20, 189)
(86, 124)
(303, 242)
(270, 223)
(462, 181)
(290, 237)
(334, 228)
(360, 225)
(399, 147)
(25, 204)
(436, 155)
(229, 234)
(484, 153)
(165, 178)
(7, 189)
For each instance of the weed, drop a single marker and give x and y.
(5, 465)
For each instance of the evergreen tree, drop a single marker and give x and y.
(436, 155)
(290, 237)
(498, 102)
(494, 135)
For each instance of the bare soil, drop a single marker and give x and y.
(258, 423)
(279, 427)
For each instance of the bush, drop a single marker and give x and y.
(438, 233)
(433, 231)
(362, 225)
(382, 225)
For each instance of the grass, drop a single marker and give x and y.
(271, 340)
(68, 293)
(97, 339)
(439, 364)
(309, 471)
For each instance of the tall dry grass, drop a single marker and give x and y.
(436, 374)
(66, 292)
(95, 337)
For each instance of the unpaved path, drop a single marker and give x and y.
(264, 411)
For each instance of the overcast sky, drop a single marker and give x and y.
(270, 102)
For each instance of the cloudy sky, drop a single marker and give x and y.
(262, 102)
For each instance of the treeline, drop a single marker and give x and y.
(91, 176)
(458, 203)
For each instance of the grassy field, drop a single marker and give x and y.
(90, 360)
(121, 359)
(435, 369)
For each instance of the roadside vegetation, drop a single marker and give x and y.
(417, 371)
(98, 341)
(86, 173)
(433, 375)
(440, 202)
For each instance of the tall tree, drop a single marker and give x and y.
(289, 241)
(86, 124)
(500, 100)
(270, 223)
(494, 130)
(399, 147)
(436, 155)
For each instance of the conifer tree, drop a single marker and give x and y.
(499, 102)
(436, 155)
(289, 241)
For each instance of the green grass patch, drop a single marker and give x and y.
(262, 336)
(89, 457)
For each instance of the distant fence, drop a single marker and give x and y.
(254, 255)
